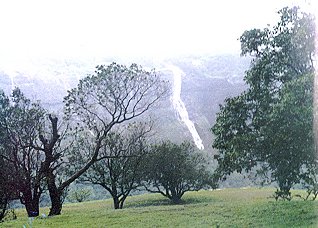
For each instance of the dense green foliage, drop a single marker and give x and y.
(270, 125)
(172, 170)
(5, 183)
(223, 208)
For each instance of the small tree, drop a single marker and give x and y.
(118, 169)
(79, 194)
(172, 170)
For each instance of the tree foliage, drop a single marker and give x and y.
(172, 170)
(119, 166)
(269, 125)
(21, 121)
(113, 95)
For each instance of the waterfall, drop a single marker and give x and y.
(180, 107)
(12, 82)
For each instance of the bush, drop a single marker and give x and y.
(79, 194)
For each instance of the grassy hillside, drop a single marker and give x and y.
(220, 208)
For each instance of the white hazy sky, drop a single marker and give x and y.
(130, 27)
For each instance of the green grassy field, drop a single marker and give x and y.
(219, 208)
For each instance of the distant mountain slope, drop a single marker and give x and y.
(206, 82)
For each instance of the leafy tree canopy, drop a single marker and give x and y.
(173, 169)
(114, 94)
(269, 125)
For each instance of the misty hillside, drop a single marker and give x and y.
(206, 82)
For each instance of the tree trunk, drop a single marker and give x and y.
(122, 201)
(32, 208)
(283, 191)
(116, 202)
(175, 198)
(3, 207)
(56, 203)
(56, 195)
(32, 204)
(30, 199)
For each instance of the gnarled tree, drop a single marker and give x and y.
(113, 95)
(21, 121)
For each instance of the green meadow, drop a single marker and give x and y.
(250, 207)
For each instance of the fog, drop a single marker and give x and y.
(139, 28)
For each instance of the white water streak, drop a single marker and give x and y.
(180, 107)
(12, 82)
